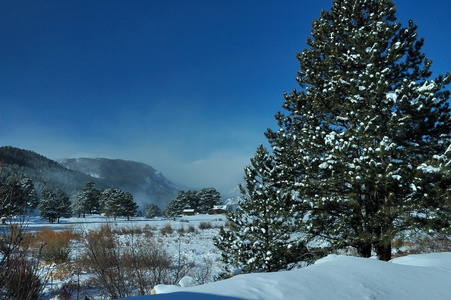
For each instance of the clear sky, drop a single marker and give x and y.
(188, 87)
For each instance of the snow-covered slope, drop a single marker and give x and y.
(145, 183)
(422, 276)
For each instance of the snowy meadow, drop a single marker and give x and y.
(182, 246)
(415, 276)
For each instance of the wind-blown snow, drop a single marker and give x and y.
(421, 276)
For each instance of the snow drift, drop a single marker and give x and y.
(421, 276)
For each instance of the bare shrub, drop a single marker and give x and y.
(190, 229)
(181, 230)
(67, 291)
(20, 276)
(24, 281)
(166, 229)
(129, 230)
(148, 230)
(205, 225)
(202, 273)
(102, 257)
(129, 265)
(423, 244)
(56, 244)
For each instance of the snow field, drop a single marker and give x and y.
(187, 242)
(419, 276)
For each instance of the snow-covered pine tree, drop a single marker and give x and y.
(86, 200)
(152, 211)
(117, 203)
(365, 118)
(207, 198)
(128, 206)
(110, 201)
(62, 205)
(29, 193)
(433, 181)
(264, 237)
(176, 206)
(54, 205)
(17, 197)
(48, 206)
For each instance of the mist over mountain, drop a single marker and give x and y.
(45, 173)
(145, 183)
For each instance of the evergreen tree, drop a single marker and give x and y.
(128, 206)
(48, 206)
(117, 203)
(54, 205)
(86, 200)
(433, 181)
(17, 197)
(201, 201)
(152, 211)
(265, 236)
(207, 198)
(177, 205)
(365, 118)
(29, 193)
(63, 205)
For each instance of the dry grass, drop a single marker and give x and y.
(205, 225)
(166, 229)
(425, 244)
(54, 245)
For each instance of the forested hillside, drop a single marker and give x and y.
(146, 184)
(44, 172)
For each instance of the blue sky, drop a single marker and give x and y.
(188, 87)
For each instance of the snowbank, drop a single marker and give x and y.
(422, 276)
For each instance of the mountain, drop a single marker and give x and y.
(45, 173)
(145, 183)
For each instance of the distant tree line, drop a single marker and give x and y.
(20, 197)
(201, 201)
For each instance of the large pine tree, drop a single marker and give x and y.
(86, 200)
(207, 199)
(117, 203)
(54, 205)
(365, 118)
(264, 238)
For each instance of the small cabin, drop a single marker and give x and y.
(218, 210)
(188, 212)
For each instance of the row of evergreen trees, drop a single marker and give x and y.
(361, 153)
(112, 202)
(201, 201)
(19, 197)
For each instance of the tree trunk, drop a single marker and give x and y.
(364, 250)
(383, 252)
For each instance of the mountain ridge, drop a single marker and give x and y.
(143, 181)
(146, 184)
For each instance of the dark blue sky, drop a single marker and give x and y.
(187, 87)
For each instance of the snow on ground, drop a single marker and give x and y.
(421, 276)
(194, 247)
